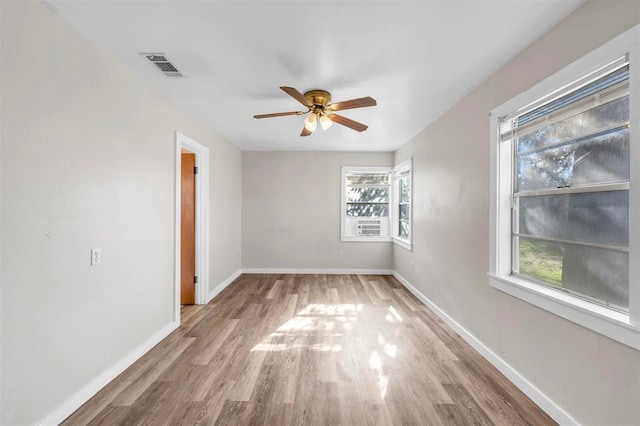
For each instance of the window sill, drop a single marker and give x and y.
(612, 324)
(365, 239)
(402, 243)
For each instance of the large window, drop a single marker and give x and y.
(570, 222)
(564, 220)
(376, 204)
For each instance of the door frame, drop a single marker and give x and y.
(201, 220)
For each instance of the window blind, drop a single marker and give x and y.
(608, 85)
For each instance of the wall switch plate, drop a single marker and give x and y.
(96, 256)
(340, 253)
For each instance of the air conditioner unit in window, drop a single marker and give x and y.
(369, 227)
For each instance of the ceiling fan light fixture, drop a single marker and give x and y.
(325, 122)
(320, 108)
(311, 122)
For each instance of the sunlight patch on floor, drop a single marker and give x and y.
(376, 364)
(393, 315)
(317, 326)
(389, 349)
(318, 317)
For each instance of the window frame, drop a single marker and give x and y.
(616, 92)
(399, 172)
(620, 326)
(393, 203)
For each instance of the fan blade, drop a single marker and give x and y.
(359, 127)
(279, 114)
(353, 103)
(305, 132)
(297, 96)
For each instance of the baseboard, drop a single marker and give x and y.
(83, 395)
(317, 271)
(224, 284)
(544, 402)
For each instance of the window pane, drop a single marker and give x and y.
(404, 212)
(404, 189)
(595, 217)
(593, 272)
(375, 195)
(612, 114)
(541, 260)
(368, 210)
(599, 159)
(404, 230)
(368, 178)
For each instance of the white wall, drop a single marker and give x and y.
(291, 212)
(595, 380)
(88, 153)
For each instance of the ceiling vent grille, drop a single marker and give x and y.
(163, 64)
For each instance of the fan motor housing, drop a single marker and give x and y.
(318, 97)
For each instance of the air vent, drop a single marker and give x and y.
(369, 227)
(162, 63)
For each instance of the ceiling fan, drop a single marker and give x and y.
(321, 110)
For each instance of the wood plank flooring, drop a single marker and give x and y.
(311, 349)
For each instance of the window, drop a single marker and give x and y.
(402, 204)
(376, 204)
(368, 194)
(365, 201)
(570, 222)
(563, 215)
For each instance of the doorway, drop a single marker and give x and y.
(188, 277)
(191, 234)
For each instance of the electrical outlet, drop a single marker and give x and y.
(411, 265)
(96, 256)
(340, 253)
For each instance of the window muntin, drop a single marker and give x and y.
(570, 217)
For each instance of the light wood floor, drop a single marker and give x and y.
(311, 349)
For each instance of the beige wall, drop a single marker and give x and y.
(88, 161)
(291, 212)
(595, 380)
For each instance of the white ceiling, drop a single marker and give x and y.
(417, 59)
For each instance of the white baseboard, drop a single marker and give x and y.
(83, 395)
(544, 402)
(317, 271)
(224, 284)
